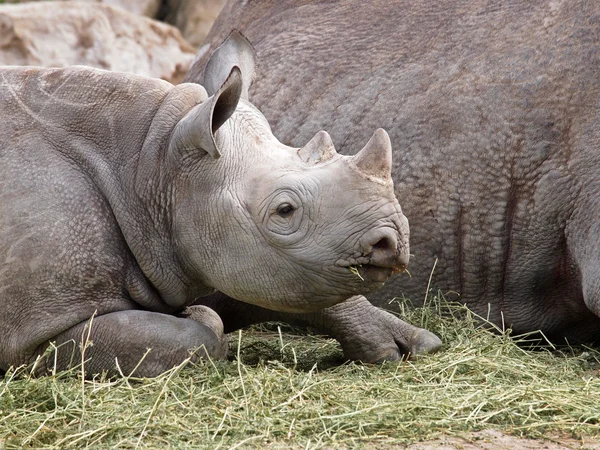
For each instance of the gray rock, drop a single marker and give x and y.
(148, 8)
(62, 33)
(194, 17)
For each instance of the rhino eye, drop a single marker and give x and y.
(285, 210)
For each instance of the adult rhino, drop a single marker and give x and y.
(492, 108)
(124, 198)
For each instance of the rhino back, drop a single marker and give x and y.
(492, 110)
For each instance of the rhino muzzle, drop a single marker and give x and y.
(385, 253)
(383, 249)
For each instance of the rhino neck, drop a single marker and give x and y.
(150, 180)
(116, 128)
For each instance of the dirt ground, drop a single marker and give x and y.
(496, 440)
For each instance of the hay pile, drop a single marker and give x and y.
(293, 390)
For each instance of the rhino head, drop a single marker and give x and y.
(284, 228)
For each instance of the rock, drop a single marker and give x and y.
(194, 18)
(148, 8)
(91, 34)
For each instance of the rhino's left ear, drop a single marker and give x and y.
(236, 50)
(198, 127)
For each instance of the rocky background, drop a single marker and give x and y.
(157, 38)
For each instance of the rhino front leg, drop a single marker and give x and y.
(366, 333)
(372, 335)
(126, 336)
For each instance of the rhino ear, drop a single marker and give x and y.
(198, 127)
(236, 50)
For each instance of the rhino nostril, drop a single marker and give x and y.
(383, 244)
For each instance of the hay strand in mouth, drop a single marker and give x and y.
(354, 270)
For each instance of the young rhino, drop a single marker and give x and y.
(123, 199)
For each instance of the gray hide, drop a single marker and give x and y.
(123, 199)
(492, 110)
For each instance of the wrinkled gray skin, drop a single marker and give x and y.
(492, 109)
(123, 198)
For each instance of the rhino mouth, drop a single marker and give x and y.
(368, 271)
(374, 273)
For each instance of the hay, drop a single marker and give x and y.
(282, 390)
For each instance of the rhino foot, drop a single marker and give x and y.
(138, 343)
(424, 342)
(372, 335)
(208, 317)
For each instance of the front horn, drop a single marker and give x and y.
(375, 159)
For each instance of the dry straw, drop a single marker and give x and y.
(285, 389)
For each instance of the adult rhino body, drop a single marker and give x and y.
(492, 109)
(123, 198)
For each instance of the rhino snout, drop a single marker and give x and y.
(384, 249)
